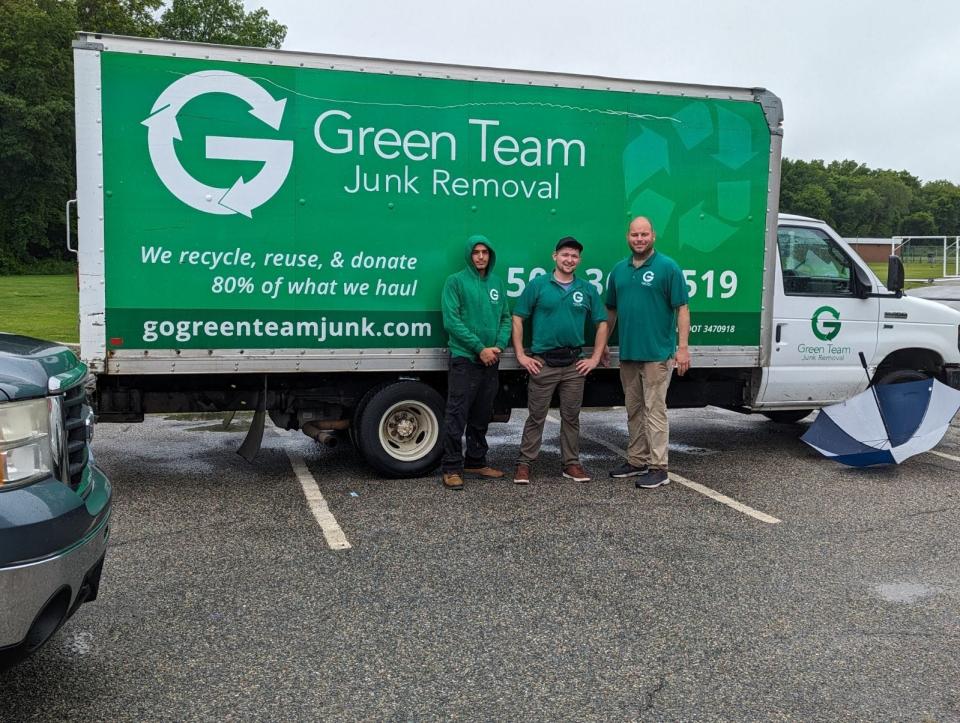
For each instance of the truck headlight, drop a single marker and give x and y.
(26, 440)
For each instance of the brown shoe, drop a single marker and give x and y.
(576, 472)
(488, 472)
(521, 475)
(453, 481)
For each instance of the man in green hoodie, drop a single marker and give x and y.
(476, 317)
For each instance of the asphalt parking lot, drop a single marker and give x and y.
(222, 599)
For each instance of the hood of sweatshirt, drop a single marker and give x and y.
(473, 241)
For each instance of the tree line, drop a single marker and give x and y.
(869, 203)
(37, 153)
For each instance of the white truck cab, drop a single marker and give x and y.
(829, 307)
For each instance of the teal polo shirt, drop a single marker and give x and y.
(558, 314)
(646, 299)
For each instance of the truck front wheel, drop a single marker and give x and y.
(399, 428)
(899, 376)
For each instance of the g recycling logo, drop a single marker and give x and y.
(825, 323)
(242, 197)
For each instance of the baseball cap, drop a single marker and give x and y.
(569, 242)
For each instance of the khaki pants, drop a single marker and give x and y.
(569, 385)
(645, 394)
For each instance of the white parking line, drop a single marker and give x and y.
(945, 455)
(723, 499)
(334, 536)
(695, 486)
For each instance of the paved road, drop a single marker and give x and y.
(222, 600)
(946, 292)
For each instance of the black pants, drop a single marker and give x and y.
(471, 388)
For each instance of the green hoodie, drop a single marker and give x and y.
(475, 310)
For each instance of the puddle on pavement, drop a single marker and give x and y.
(905, 592)
(690, 449)
(235, 426)
(218, 421)
(78, 643)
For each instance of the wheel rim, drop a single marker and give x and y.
(408, 430)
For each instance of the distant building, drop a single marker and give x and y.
(871, 250)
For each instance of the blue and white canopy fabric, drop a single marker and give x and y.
(885, 424)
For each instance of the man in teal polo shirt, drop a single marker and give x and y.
(557, 304)
(647, 294)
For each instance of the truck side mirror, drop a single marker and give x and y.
(864, 286)
(895, 275)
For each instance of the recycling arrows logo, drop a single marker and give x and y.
(720, 203)
(242, 197)
(825, 323)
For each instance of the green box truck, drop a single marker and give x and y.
(270, 230)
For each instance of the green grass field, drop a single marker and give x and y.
(40, 306)
(910, 271)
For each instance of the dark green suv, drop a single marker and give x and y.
(54, 501)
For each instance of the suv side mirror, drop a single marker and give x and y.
(895, 275)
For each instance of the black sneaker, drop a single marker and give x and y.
(628, 470)
(656, 478)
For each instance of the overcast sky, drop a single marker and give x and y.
(877, 82)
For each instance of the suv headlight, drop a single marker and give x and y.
(28, 432)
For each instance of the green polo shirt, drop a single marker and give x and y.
(558, 314)
(646, 299)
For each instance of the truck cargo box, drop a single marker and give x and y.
(252, 210)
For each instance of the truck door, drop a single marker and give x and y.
(820, 325)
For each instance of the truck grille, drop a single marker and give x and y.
(76, 434)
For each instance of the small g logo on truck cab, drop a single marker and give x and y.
(825, 329)
(276, 155)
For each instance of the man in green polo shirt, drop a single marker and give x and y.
(557, 304)
(647, 294)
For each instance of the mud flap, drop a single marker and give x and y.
(251, 443)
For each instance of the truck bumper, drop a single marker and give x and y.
(39, 595)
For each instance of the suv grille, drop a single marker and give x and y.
(75, 432)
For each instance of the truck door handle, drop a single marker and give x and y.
(778, 334)
(71, 202)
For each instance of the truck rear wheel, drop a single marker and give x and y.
(398, 429)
